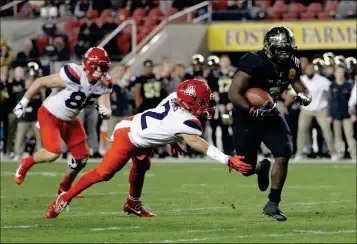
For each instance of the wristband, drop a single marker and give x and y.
(24, 101)
(217, 155)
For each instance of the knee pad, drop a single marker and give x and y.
(77, 164)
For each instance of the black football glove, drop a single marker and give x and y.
(264, 111)
(303, 99)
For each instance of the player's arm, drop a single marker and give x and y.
(51, 81)
(303, 95)
(104, 108)
(196, 142)
(239, 86)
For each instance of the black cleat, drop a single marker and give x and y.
(272, 209)
(263, 175)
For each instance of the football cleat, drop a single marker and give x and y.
(263, 175)
(56, 207)
(21, 171)
(272, 209)
(60, 190)
(137, 208)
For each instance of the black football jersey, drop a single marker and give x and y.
(221, 82)
(273, 78)
(152, 90)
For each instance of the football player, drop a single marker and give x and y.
(175, 119)
(273, 69)
(74, 88)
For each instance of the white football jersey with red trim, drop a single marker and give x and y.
(67, 103)
(160, 125)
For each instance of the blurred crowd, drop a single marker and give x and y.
(326, 128)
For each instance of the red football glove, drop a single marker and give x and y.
(176, 148)
(238, 165)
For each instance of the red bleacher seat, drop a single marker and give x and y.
(127, 30)
(273, 14)
(123, 43)
(171, 11)
(263, 3)
(296, 8)
(70, 24)
(324, 15)
(314, 8)
(155, 13)
(150, 21)
(307, 16)
(144, 30)
(41, 43)
(290, 16)
(139, 38)
(122, 15)
(139, 12)
(331, 7)
(105, 12)
(219, 4)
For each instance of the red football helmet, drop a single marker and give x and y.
(196, 97)
(96, 63)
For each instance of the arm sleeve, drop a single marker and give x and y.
(353, 99)
(69, 74)
(249, 63)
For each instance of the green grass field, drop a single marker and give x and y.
(196, 202)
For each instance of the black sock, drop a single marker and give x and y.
(257, 167)
(275, 195)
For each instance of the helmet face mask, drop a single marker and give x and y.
(279, 44)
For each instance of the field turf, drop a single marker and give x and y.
(194, 202)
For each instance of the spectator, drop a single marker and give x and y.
(352, 104)
(25, 56)
(6, 57)
(62, 52)
(102, 4)
(241, 6)
(304, 62)
(107, 28)
(82, 6)
(339, 94)
(119, 98)
(28, 121)
(14, 86)
(318, 87)
(88, 36)
(146, 4)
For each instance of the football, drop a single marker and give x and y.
(257, 97)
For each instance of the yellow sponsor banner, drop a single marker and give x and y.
(309, 35)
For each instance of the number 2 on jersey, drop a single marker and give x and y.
(154, 115)
(78, 100)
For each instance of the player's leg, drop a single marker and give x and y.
(114, 160)
(74, 136)
(140, 164)
(277, 137)
(247, 137)
(51, 139)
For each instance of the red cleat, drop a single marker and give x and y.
(21, 171)
(60, 191)
(56, 207)
(137, 208)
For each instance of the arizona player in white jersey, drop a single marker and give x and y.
(175, 119)
(74, 88)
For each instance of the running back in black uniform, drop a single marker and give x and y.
(249, 132)
(273, 69)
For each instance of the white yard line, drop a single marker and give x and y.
(24, 226)
(116, 228)
(214, 230)
(255, 236)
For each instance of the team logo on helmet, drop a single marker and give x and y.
(292, 74)
(190, 90)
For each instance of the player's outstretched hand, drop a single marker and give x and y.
(19, 110)
(103, 112)
(264, 111)
(303, 99)
(176, 149)
(240, 166)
